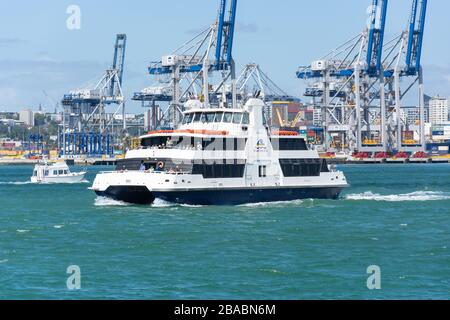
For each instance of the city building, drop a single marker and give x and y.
(411, 115)
(27, 117)
(438, 110)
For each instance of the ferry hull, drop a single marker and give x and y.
(129, 194)
(141, 195)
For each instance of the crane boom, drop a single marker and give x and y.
(118, 61)
(225, 35)
(376, 36)
(416, 31)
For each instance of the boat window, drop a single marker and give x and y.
(246, 118)
(203, 117)
(65, 171)
(46, 173)
(188, 118)
(263, 171)
(301, 167)
(55, 172)
(210, 117)
(289, 144)
(219, 116)
(237, 118)
(197, 117)
(60, 172)
(34, 173)
(228, 117)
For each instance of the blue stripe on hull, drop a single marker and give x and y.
(141, 195)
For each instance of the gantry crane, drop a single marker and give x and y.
(358, 85)
(347, 84)
(87, 128)
(208, 52)
(405, 73)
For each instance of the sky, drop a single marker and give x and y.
(39, 53)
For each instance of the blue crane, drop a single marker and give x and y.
(415, 37)
(373, 44)
(223, 41)
(376, 37)
(225, 36)
(118, 61)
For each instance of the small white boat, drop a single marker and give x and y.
(55, 173)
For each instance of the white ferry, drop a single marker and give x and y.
(221, 156)
(55, 173)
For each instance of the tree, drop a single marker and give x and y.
(39, 120)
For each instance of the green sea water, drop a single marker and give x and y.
(396, 217)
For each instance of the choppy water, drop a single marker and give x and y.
(396, 217)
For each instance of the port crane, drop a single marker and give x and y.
(405, 73)
(87, 128)
(253, 81)
(208, 52)
(346, 82)
(358, 84)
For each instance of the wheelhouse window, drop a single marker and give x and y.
(197, 117)
(228, 117)
(237, 118)
(218, 117)
(246, 118)
(210, 117)
(188, 118)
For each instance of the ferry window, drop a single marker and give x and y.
(197, 117)
(246, 118)
(262, 171)
(228, 117)
(188, 118)
(218, 118)
(210, 117)
(301, 167)
(289, 144)
(237, 118)
(203, 118)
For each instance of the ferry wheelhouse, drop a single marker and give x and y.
(221, 156)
